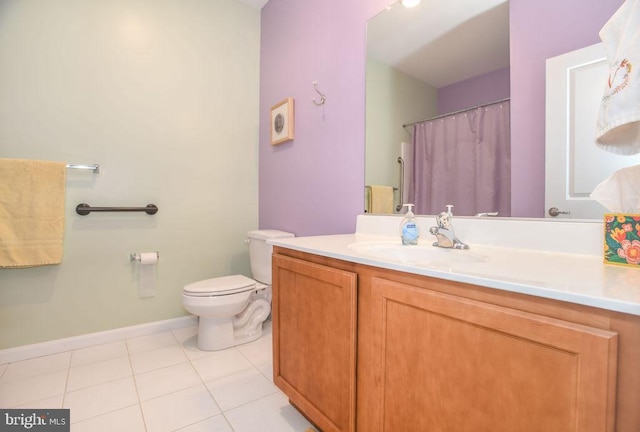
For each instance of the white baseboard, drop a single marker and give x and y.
(25, 352)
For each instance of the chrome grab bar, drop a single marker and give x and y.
(401, 192)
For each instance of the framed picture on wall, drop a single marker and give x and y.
(282, 121)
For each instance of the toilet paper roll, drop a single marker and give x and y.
(147, 282)
(148, 258)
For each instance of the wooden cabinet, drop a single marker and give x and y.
(314, 340)
(436, 355)
(448, 363)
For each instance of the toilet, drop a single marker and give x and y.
(231, 309)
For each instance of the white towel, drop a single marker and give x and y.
(618, 128)
(620, 193)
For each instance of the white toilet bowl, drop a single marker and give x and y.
(231, 310)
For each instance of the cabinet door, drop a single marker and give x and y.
(453, 364)
(314, 340)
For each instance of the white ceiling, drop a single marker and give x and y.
(442, 42)
(255, 3)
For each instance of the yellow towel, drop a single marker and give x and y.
(381, 199)
(32, 206)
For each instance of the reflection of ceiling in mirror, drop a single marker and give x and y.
(437, 41)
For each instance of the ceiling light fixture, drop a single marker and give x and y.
(410, 3)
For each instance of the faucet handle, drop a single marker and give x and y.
(443, 220)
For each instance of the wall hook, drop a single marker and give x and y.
(322, 97)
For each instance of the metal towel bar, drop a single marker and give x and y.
(93, 167)
(84, 209)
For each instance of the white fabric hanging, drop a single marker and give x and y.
(618, 128)
(620, 193)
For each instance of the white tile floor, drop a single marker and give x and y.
(160, 382)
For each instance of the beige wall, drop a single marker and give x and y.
(393, 99)
(163, 94)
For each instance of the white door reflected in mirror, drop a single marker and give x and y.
(574, 164)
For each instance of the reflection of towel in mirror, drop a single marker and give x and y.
(381, 199)
(620, 193)
(618, 128)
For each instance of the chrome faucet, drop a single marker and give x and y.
(444, 231)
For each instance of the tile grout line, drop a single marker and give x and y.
(253, 367)
(256, 367)
(102, 383)
(66, 384)
(202, 382)
(222, 412)
(248, 355)
(135, 384)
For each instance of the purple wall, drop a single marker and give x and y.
(474, 91)
(314, 184)
(539, 30)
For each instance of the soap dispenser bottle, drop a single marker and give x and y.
(409, 231)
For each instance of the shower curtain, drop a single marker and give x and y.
(463, 159)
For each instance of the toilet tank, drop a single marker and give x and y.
(260, 252)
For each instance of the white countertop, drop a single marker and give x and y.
(565, 275)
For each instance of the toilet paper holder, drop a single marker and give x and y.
(137, 257)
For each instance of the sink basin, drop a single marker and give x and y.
(417, 255)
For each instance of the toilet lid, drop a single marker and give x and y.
(220, 286)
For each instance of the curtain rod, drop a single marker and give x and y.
(456, 112)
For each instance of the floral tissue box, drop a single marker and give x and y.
(622, 239)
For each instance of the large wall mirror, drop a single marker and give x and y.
(446, 57)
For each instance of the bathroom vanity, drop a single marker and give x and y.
(371, 336)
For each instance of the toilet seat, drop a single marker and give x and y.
(220, 286)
